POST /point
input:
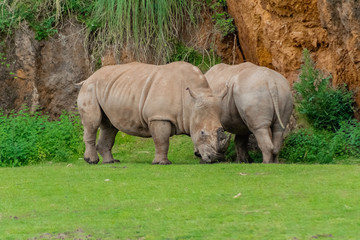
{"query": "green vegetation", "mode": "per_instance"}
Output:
(315, 146)
(145, 26)
(223, 21)
(42, 16)
(180, 201)
(28, 138)
(323, 105)
(330, 134)
(150, 25)
(5, 64)
(148, 28)
(188, 54)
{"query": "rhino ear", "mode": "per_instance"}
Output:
(225, 91)
(193, 94)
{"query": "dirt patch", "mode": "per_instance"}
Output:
(78, 234)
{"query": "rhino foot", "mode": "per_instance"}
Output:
(162, 162)
(244, 160)
(112, 161)
(91, 162)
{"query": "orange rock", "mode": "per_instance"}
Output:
(274, 33)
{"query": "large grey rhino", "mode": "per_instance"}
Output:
(259, 102)
(155, 101)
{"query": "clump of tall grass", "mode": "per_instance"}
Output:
(28, 138)
(148, 27)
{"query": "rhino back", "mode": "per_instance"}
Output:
(133, 95)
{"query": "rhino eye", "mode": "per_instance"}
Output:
(203, 133)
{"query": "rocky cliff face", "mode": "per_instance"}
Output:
(43, 74)
(273, 33)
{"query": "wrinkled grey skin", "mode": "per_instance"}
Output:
(259, 102)
(146, 100)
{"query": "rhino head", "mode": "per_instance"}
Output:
(210, 140)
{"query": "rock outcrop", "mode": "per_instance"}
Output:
(43, 74)
(273, 33)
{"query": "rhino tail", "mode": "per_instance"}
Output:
(275, 99)
(80, 83)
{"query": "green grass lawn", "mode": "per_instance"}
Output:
(185, 200)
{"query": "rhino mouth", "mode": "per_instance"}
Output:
(210, 158)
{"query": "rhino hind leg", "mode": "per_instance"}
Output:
(90, 113)
(106, 141)
(90, 155)
(277, 141)
(161, 132)
(263, 138)
(90, 130)
(242, 155)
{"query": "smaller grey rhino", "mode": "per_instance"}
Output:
(156, 101)
(259, 102)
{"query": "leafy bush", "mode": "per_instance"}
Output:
(230, 154)
(223, 21)
(346, 141)
(304, 146)
(323, 105)
(29, 138)
(333, 132)
(42, 16)
(189, 54)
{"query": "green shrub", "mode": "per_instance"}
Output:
(224, 23)
(324, 106)
(42, 16)
(333, 132)
(190, 55)
(313, 146)
(304, 146)
(230, 154)
(346, 141)
(29, 138)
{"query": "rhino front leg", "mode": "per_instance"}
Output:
(161, 132)
(242, 155)
(106, 142)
